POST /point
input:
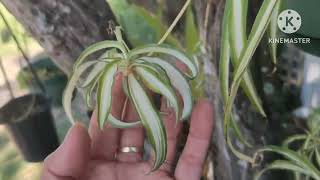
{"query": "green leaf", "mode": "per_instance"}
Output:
(116, 123)
(168, 51)
(150, 119)
(282, 165)
(259, 27)
(224, 64)
(294, 138)
(238, 41)
(156, 84)
(99, 46)
(178, 81)
(94, 74)
(273, 31)
(71, 86)
(295, 158)
(89, 91)
(140, 26)
(191, 33)
(317, 157)
(224, 68)
(104, 94)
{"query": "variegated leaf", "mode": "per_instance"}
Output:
(104, 94)
(259, 27)
(150, 119)
(99, 46)
(168, 51)
(67, 95)
(283, 165)
(178, 81)
(156, 84)
(238, 41)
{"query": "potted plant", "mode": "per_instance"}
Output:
(53, 79)
(29, 121)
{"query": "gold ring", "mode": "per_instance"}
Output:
(129, 149)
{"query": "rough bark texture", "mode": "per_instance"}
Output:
(63, 28)
(209, 16)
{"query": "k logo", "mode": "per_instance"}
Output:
(289, 21)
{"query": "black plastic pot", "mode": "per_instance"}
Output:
(30, 122)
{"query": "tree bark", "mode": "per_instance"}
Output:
(63, 28)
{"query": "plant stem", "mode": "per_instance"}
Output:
(174, 23)
(24, 55)
(6, 79)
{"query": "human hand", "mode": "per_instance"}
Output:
(94, 155)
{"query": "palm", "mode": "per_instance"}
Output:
(95, 155)
(121, 171)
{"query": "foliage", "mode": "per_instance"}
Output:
(239, 48)
(301, 152)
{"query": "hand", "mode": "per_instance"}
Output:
(91, 156)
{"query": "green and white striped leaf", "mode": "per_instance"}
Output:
(116, 123)
(150, 119)
(224, 68)
(178, 81)
(259, 27)
(168, 51)
(89, 90)
(71, 86)
(273, 31)
(156, 84)
(94, 73)
(295, 158)
(283, 165)
(294, 138)
(99, 46)
(238, 41)
(104, 94)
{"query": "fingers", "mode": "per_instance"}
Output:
(105, 142)
(70, 160)
(132, 137)
(189, 166)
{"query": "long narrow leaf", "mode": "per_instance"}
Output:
(71, 86)
(150, 119)
(283, 165)
(168, 51)
(178, 81)
(238, 41)
(273, 31)
(295, 157)
(116, 123)
(259, 27)
(99, 46)
(93, 74)
(104, 94)
(156, 84)
(224, 67)
(294, 138)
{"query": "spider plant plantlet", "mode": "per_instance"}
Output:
(143, 69)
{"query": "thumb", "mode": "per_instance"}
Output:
(71, 158)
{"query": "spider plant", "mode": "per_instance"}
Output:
(238, 49)
(303, 159)
(143, 69)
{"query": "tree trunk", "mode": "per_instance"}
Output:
(63, 28)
